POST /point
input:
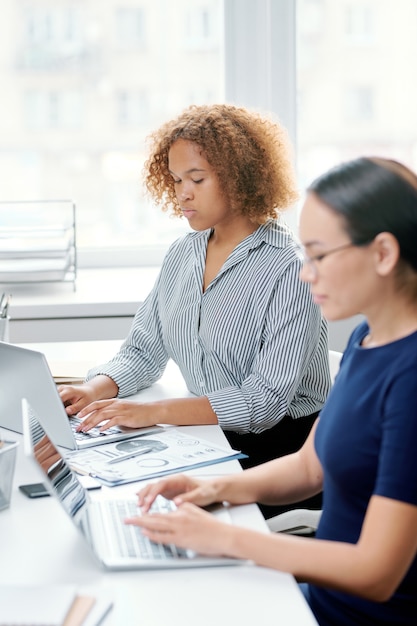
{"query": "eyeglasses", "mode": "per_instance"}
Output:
(312, 261)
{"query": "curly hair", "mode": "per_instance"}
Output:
(250, 154)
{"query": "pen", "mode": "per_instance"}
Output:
(129, 455)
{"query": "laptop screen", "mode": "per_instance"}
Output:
(59, 477)
(115, 545)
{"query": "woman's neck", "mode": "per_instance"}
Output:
(231, 234)
(391, 322)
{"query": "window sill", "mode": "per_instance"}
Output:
(102, 298)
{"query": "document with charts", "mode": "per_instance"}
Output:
(152, 456)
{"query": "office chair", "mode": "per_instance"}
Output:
(303, 521)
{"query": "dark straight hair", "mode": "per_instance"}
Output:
(373, 195)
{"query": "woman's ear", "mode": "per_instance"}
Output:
(387, 253)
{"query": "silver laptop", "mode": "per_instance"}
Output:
(115, 545)
(25, 374)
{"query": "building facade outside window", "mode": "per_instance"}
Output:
(83, 84)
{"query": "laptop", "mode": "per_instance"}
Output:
(116, 546)
(25, 373)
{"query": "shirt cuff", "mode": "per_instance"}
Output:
(126, 382)
(231, 409)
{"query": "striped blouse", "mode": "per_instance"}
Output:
(253, 343)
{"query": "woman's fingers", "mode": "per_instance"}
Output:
(169, 488)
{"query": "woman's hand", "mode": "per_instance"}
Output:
(116, 412)
(77, 397)
(188, 527)
(120, 412)
(180, 488)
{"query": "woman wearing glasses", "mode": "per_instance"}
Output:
(359, 230)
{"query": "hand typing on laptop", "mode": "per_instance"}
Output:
(95, 404)
(96, 407)
(109, 413)
(180, 488)
(77, 397)
(188, 526)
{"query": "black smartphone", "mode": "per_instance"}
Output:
(34, 490)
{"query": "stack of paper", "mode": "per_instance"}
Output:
(37, 241)
(165, 452)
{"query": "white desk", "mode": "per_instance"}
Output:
(40, 545)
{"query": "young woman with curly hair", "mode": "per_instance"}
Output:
(249, 154)
(227, 307)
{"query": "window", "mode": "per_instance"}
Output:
(312, 23)
(359, 23)
(357, 95)
(85, 84)
(201, 28)
(131, 28)
(132, 109)
(359, 104)
(51, 110)
(51, 37)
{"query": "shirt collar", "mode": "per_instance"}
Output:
(274, 233)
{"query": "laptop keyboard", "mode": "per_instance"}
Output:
(132, 543)
(93, 432)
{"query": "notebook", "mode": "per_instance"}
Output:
(52, 605)
(25, 373)
(116, 546)
(25, 605)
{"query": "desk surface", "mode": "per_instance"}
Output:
(40, 546)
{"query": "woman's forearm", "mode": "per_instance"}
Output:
(282, 481)
(371, 568)
(325, 563)
(288, 479)
(103, 386)
(183, 411)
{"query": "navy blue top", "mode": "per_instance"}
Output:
(366, 441)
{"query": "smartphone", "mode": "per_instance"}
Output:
(38, 490)
(34, 490)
